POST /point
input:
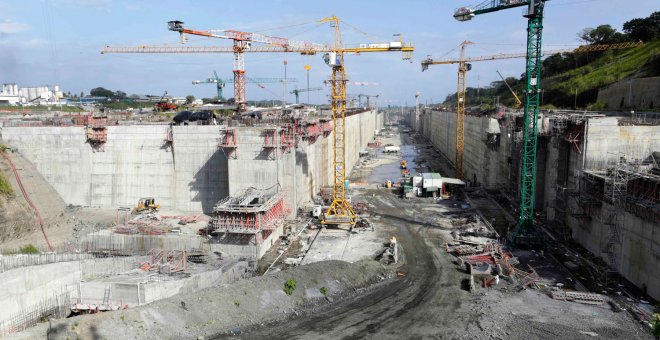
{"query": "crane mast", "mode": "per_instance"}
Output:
(534, 15)
(340, 209)
(463, 67)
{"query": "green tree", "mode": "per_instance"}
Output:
(190, 99)
(644, 29)
(101, 92)
(603, 34)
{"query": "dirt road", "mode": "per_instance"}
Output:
(431, 301)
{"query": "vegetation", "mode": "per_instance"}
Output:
(324, 290)
(655, 325)
(29, 249)
(564, 74)
(5, 186)
(289, 286)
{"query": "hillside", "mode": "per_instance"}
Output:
(608, 68)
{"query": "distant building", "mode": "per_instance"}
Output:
(41, 95)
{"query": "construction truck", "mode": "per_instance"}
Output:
(146, 204)
(404, 164)
(164, 104)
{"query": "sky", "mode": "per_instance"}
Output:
(58, 42)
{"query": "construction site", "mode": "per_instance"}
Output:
(345, 219)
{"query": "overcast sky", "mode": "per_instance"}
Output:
(58, 42)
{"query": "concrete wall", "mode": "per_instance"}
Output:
(641, 93)
(192, 176)
(134, 164)
(25, 287)
(299, 171)
(560, 164)
(607, 140)
(637, 255)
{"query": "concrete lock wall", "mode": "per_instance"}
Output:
(605, 142)
(25, 287)
(135, 163)
(488, 165)
(192, 176)
(312, 163)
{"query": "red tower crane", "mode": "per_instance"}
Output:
(242, 42)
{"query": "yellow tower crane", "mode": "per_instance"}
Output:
(464, 66)
(340, 211)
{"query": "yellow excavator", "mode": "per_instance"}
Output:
(518, 101)
(404, 164)
(146, 204)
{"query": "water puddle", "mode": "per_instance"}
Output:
(392, 171)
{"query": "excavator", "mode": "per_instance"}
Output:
(164, 105)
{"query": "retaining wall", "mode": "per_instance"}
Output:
(559, 165)
(135, 163)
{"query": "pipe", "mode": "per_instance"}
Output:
(27, 198)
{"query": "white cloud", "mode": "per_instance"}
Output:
(8, 27)
(35, 42)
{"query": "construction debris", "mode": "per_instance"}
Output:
(586, 298)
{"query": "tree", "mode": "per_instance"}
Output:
(643, 29)
(190, 99)
(603, 34)
(119, 95)
(101, 92)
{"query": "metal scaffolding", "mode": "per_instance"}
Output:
(250, 212)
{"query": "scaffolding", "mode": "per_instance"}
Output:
(250, 213)
(227, 142)
(96, 132)
(165, 261)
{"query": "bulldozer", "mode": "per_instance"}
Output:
(146, 204)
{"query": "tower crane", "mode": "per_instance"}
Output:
(464, 65)
(297, 92)
(368, 96)
(340, 211)
(220, 82)
(242, 42)
(524, 229)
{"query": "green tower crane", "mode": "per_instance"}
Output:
(220, 83)
(524, 229)
(297, 92)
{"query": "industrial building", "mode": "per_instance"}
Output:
(11, 94)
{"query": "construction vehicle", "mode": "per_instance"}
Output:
(147, 204)
(164, 105)
(518, 102)
(340, 211)
(404, 164)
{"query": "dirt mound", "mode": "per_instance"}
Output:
(228, 308)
